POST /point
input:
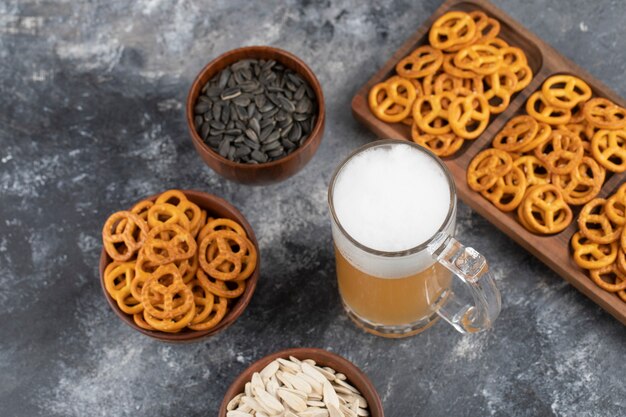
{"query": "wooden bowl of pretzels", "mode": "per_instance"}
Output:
(179, 266)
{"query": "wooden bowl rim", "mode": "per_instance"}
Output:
(231, 316)
(323, 357)
(315, 134)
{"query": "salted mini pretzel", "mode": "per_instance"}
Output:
(487, 28)
(481, 59)
(516, 134)
(430, 115)
(469, 116)
(191, 210)
(534, 170)
(538, 107)
(203, 299)
(178, 307)
(421, 62)
(604, 114)
(450, 68)
(441, 145)
(139, 321)
(220, 307)
(451, 30)
(445, 82)
(221, 224)
(591, 255)
(486, 167)
(524, 76)
(231, 248)
(169, 243)
(582, 184)
(609, 278)
(565, 91)
(508, 191)
(499, 88)
(117, 276)
(513, 58)
(615, 209)
(580, 130)
(545, 210)
(220, 288)
(561, 152)
(141, 209)
(165, 213)
(248, 261)
(399, 96)
(595, 225)
(497, 43)
(608, 147)
(577, 114)
(121, 245)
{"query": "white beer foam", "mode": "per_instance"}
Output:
(390, 198)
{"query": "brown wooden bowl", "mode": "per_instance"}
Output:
(269, 172)
(323, 358)
(216, 207)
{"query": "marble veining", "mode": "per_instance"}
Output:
(92, 119)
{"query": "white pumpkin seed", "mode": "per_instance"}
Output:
(341, 376)
(363, 412)
(295, 360)
(342, 390)
(237, 413)
(292, 400)
(298, 383)
(293, 391)
(290, 366)
(272, 385)
(268, 401)
(327, 374)
(314, 412)
(312, 403)
(315, 396)
(281, 377)
(330, 396)
(352, 397)
(254, 404)
(257, 382)
(346, 411)
(316, 386)
(314, 373)
(232, 404)
(346, 385)
(269, 370)
(334, 411)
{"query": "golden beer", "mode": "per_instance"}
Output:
(391, 301)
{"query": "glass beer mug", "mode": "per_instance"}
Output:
(399, 268)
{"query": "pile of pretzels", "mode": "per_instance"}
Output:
(553, 157)
(600, 243)
(174, 267)
(447, 91)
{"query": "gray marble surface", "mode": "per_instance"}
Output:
(91, 119)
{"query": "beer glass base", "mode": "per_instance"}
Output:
(391, 331)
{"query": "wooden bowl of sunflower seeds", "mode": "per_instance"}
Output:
(256, 115)
(302, 382)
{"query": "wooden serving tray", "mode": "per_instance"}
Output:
(545, 61)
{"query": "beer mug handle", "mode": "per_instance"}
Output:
(469, 314)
